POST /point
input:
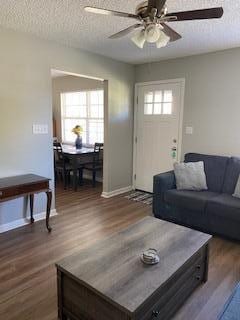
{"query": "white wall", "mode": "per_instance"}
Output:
(69, 84)
(212, 98)
(26, 98)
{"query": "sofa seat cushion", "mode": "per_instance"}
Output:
(192, 200)
(226, 206)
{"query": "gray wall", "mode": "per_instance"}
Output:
(212, 98)
(26, 98)
(69, 84)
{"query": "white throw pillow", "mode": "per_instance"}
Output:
(237, 189)
(190, 176)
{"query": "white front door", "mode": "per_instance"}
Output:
(158, 123)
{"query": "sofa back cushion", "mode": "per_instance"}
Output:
(215, 169)
(232, 174)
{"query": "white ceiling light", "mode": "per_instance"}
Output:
(163, 40)
(139, 38)
(152, 33)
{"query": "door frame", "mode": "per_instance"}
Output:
(138, 85)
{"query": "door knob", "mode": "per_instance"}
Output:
(174, 140)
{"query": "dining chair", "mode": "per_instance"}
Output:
(63, 166)
(97, 163)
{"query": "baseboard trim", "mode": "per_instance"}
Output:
(24, 221)
(116, 192)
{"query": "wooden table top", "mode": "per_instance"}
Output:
(20, 180)
(113, 269)
(73, 151)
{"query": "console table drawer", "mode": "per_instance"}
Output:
(23, 189)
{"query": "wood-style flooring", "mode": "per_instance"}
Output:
(27, 256)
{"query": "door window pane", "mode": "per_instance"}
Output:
(148, 108)
(149, 97)
(168, 96)
(157, 108)
(167, 108)
(158, 96)
(158, 102)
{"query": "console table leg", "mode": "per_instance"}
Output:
(31, 206)
(49, 203)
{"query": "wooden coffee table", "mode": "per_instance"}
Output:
(108, 281)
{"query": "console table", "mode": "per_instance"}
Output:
(26, 185)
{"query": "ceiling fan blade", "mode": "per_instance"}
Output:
(174, 36)
(157, 4)
(111, 12)
(125, 31)
(160, 4)
(212, 13)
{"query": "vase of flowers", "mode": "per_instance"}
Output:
(78, 131)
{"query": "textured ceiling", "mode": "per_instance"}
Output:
(66, 22)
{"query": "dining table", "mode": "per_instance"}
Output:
(74, 155)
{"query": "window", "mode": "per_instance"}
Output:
(158, 102)
(86, 109)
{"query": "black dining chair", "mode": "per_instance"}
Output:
(97, 162)
(63, 166)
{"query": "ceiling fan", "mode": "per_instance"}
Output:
(151, 16)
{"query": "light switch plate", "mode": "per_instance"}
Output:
(189, 130)
(40, 129)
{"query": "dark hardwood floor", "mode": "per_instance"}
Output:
(27, 256)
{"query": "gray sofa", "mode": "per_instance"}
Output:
(214, 211)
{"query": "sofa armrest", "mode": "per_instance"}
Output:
(161, 183)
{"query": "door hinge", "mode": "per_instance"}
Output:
(135, 139)
(135, 177)
(137, 100)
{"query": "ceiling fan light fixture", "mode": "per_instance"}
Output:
(152, 16)
(152, 33)
(139, 39)
(163, 40)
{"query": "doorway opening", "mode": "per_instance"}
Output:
(79, 108)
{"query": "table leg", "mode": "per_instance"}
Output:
(75, 173)
(49, 203)
(31, 197)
